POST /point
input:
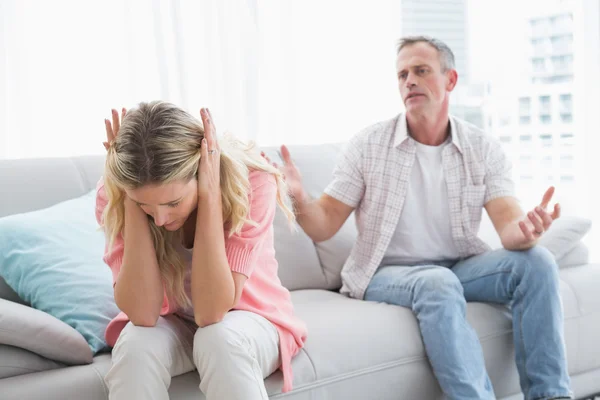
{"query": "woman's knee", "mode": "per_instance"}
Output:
(217, 341)
(135, 342)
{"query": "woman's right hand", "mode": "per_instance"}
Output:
(112, 129)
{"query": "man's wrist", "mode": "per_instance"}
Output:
(512, 238)
(298, 202)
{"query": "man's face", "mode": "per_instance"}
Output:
(424, 86)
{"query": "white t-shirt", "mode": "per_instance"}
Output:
(423, 233)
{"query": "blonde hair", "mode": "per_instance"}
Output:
(159, 143)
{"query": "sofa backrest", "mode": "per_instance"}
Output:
(33, 184)
(302, 263)
(28, 185)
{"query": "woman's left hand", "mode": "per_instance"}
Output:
(209, 167)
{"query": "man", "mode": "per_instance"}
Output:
(418, 183)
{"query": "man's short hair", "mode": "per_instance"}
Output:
(444, 52)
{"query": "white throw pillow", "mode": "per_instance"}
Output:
(564, 234)
(562, 237)
(579, 255)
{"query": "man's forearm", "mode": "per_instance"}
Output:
(511, 231)
(313, 217)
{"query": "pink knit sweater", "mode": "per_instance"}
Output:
(252, 253)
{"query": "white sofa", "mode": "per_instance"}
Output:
(355, 349)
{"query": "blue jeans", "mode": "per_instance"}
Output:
(438, 295)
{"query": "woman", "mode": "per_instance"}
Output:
(189, 228)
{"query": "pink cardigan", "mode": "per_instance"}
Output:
(250, 253)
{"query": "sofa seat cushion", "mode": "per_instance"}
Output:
(348, 338)
(69, 383)
(358, 348)
(366, 344)
(16, 361)
(580, 286)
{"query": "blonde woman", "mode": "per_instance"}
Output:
(189, 226)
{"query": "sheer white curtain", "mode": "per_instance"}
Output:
(65, 63)
(277, 71)
(327, 68)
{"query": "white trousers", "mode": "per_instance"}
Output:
(233, 357)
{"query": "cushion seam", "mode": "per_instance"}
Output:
(369, 370)
(31, 370)
(352, 374)
(312, 364)
(104, 387)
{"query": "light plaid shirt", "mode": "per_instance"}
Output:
(372, 175)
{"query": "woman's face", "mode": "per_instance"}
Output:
(170, 204)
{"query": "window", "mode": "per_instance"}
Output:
(525, 159)
(567, 161)
(525, 139)
(566, 103)
(536, 23)
(505, 139)
(538, 46)
(544, 105)
(547, 162)
(524, 120)
(562, 64)
(567, 178)
(567, 139)
(553, 79)
(524, 105)
(539, 65)
(562, 23)
(566, 118)
(545, 119)
(566, 108)
(539, 27)
(546, 140)
(562, 44)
